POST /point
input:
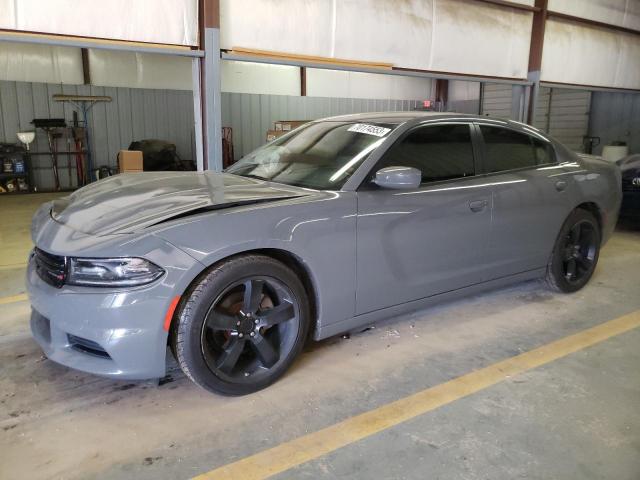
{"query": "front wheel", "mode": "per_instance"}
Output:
(575, 254)
(242, 325)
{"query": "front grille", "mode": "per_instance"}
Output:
(87, 346)
(50, 268)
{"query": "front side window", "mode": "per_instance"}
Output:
(321, 155)
(506, 149)
(440, 152)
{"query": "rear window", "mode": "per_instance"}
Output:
(506, 149)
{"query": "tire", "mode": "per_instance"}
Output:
(575, 254)
(226, 349)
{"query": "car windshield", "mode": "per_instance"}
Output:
(319, 155)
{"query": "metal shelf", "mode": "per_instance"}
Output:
(18, 192)
(13, 175)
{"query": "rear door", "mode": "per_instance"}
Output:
(529, 199)
(416, 243)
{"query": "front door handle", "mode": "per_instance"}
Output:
(478, 205)
(561, 185)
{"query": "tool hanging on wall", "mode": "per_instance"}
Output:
(79, 134)
(83, 104)
(50, 127)
(227, 147)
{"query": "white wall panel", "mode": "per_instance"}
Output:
(479, 38)
(624, 13)
(302, 27)
(400, 33)
(344, 84)
(247, 77)
(458, 36)
(588, 55)
(40, 63)
(139, 70)
(158, 21)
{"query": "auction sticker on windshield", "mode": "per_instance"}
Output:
(369, 129)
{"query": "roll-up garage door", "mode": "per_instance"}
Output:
(497, 99)
(564, 113)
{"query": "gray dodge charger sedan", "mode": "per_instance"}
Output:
(340, 223)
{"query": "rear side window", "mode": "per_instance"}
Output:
(543, 151)
(506, 150)
(509, 150)
(441, 152)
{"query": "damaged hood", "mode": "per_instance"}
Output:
(127, 203)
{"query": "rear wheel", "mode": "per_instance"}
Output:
(242, 325)
(575, 254)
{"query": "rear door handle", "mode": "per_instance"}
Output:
(561, 185)
(478, 205)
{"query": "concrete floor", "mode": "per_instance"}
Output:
(575, 418)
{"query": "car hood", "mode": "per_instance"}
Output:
(129, 202)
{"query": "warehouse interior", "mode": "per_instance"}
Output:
(518, 382)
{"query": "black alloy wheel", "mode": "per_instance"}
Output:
(579, 251)
(241, 325)
(576, 252)
(249, 328)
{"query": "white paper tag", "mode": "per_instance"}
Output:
(369, 129)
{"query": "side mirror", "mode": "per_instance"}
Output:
(398, 178)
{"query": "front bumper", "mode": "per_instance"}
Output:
(113, 334)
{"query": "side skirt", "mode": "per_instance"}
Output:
(366, 319)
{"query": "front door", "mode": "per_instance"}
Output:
(412, 244)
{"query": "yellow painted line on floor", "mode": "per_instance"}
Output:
(13, 299)
(309, 447)
(12, 266)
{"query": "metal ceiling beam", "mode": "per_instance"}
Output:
(590, 22)
(97, 43)
(591, 88)
(404, 72)
(517, 6)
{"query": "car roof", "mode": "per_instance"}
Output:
(396, 117)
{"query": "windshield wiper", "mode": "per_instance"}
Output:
(251, 175)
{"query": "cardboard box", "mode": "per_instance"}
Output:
(288, 125)
(273, 134)
(130, 161)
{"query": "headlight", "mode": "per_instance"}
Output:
(112, 272)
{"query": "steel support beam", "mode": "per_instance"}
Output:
(86, 70)
(519, 102)
(535, 56)
(209, 71)
(442, 92)
(303, 81)
(197, 113)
